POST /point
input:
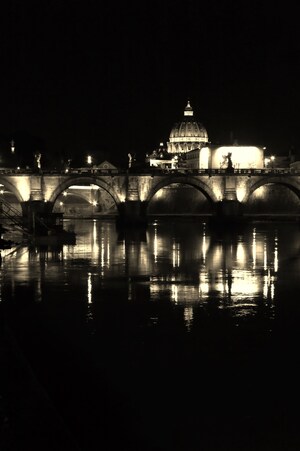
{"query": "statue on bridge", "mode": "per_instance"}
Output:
(229, 168)
(37, 161)
(129, 160)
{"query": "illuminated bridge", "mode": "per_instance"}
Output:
(133, 194)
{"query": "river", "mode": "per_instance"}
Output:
(178, 337)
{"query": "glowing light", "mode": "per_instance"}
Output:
(176, 255)
(241, 192)
(65, 193)
(23, 186)
(269, 161)
(94, 233)
(188, 315)
(276, 255)
(155, 245)
(89, 288)
(159, 194)
(272, 289)
(89, 159)
(269, 285)
(174, 162)
(144, 187)
(254, 249)
(204, 158)
(265, 287)
(102, 261)
(265, 256)
(204, 247)
(244, 157)
(241, 254)
(174, 293)
(244, 284)
(108, 254)
(260, 193)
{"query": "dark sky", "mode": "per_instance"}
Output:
(90, 76)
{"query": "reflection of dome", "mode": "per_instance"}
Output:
(187, 134)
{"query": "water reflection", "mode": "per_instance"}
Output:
(183, 262)
(239, 271)
(153, 308)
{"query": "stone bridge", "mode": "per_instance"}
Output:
(132, 191)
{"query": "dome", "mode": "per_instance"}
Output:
(187, 134)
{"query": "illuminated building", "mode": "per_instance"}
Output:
(215, 157)
(189, 147)
(187, 134)
(160, 158)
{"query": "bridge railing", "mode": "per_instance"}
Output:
(152, 171)
(209, 172)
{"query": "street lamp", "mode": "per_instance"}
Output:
(89, 159)
(272, 160)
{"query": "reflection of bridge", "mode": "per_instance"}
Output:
(133, 191)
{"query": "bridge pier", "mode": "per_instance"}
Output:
(132, 213)
(229, 211)
(228, 214)
(37, 215)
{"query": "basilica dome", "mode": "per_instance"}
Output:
(187, 134)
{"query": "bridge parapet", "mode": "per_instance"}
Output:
(149, 171)
(138, 188)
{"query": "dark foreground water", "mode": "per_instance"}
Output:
(179, 338)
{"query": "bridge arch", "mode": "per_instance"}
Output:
(11, 187)
(291, 184)
(192, 181)
(64, 185)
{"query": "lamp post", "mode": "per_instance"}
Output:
(272, 160)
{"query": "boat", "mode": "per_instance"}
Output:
(6, 244)
(53, 237)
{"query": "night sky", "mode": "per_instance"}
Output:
(108, 78)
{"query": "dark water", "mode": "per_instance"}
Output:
(179, 338)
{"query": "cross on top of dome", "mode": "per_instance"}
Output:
(188, 111)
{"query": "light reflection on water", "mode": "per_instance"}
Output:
(162, 331)
(181, 262)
